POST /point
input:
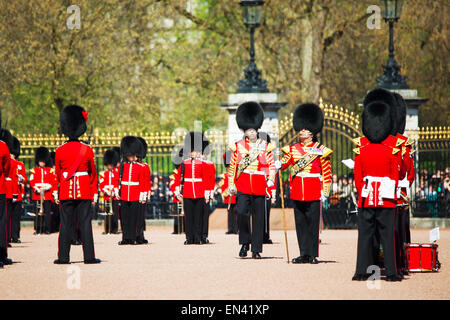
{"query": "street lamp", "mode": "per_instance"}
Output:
(252, 15)
(391, 78)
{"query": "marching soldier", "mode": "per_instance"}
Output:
(193, 192)
(132, 188)
(229, 199)
(147, 191)
(19, 179)
(109, 186)
(403, 191)
(5, 163)
(248, 177)
(310, 179)
(42, 180)
(117, 170)
(78, 186)
(54, 208)
(174, 185)
(377, 163)
(209, 183)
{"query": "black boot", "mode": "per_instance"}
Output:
(360, 277)
(256, 255)
(393, 278)
(313, 260)
(93, 261)
(243, 252)
(57, 261)
(7, 262)
(301, 259)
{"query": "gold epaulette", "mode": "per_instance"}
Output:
(409, 142)
(175, 171)
(32, 170)
(395, 150)
(232, 147)
(326, 152)
(52, 170)
(399, 142)
(286, 149)
(270, 147)
(357, 141)
(356, 150)
(403, 150)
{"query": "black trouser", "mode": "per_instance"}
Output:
(56, 221)
(400, 237)
(205, 220)
(16, 214)
(267, 220)
(407, 228)
(8, 218)
(76, 210)
(193, 209)
(3, 229)
(253, 205)
(307, 220)
(232, 219)
(178, 221)
(45, 220)
(130, 214)
(141, 221)
(113, 228)
(370, 220)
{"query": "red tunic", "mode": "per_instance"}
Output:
(83, 183)
(253, 180)
(21, 179)
(109, 181)
(5, 166)
(377, 169)
(407, 166)
(308, 184)
(10, 181)
(147, 183)
(224, 184)
(174, 184)
(42, 178)
(210, 180)
(196, 175)
(133, 185)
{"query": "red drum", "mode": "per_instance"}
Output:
(422, 257)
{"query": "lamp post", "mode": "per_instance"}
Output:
(391, 77)
(252, 15)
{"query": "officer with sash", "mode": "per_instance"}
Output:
(251, 172)
(310, 179)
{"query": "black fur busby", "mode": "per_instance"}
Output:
(249, 115)
(42, 154)
(193, 142)
(130, 146)
(400, 121)
(7, 138)
(117, 150)
(15, 150)
(377, 117)
(227, 157)
(111, 157)
(72, 121)
(308, 116)
(144, 148)
(264, 136)
(52, 159)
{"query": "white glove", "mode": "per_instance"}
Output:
(269, 183)
(278, 164)
(48, 186)
(55, 195)
(232, 189)
(21, 178)
(95, 198)
(323, 198)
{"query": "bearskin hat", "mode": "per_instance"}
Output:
(378, 116)
(15, 150)
(144, 148)
(227, 157)
(52, 159)
(117, 150)
(130, 146)
(194, 142)
(72, 121)
(7, 138)
(42, 154)
(308, 116)
(401, 113)
(110, 157)
(249, 115)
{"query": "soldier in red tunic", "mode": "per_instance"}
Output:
(19, 179)
(78, 185)
(109, 187)
(229, 199)
(5, 171)
(310, 179)
(251, 172)
(377, 169)
(174, 185)
(147, 191)
(193, 174)
(42, 178)
(133, 188)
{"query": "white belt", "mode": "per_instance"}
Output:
(309, 175)
(77, 174)
(386, 189)
(8, 179)
(249, 171)
(193, 180)
(42, 185)
(126, 183)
